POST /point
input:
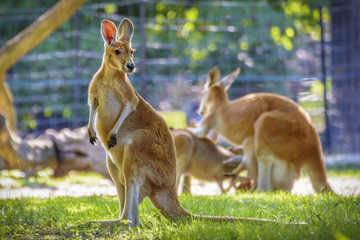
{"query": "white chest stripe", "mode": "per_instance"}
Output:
(125, 113)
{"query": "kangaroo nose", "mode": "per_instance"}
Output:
(130, 66)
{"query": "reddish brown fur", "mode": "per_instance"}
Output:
(140, 149)
(277, 135)
(203, 159)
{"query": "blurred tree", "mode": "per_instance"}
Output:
(16, 48)
(24, 42)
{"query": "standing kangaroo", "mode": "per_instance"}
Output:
(139, 147)
(203, 159)
(276, 134)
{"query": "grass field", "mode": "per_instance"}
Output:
(328, 216)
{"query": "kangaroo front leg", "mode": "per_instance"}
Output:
(93, 104)
(220, 184)
(181, 164)
(111, 138)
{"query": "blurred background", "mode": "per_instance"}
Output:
(305, 50)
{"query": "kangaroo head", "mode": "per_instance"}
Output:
(118, 52)
(214, 92)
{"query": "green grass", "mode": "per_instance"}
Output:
(348, 170)
(328, 217)
(43, 178)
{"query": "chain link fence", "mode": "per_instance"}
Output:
(276, 45)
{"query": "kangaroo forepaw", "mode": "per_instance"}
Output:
(112, 141)
(92, 140)
(92, 137)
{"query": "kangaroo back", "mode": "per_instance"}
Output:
(273, 131)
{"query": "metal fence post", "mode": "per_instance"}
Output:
(76, 88)
(143, 73)
(323, 80)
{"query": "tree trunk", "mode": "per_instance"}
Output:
(7, 102)
(28, 155)
(75, 152)
(30, 37)
(62, 151)
(21, 44)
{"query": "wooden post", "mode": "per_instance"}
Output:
(17, 47)
(7, 103)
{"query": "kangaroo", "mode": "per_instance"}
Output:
(140, 152)
(203, 159)
(276, 134)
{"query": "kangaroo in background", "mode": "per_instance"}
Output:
(140, 150)
(276, 134)
(203, 159)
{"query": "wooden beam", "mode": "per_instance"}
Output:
(30, 37)
(26, 40)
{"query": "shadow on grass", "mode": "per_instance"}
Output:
(28, 182)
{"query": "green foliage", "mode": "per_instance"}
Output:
(200, 36)
(306, 16)
(182, 39)
(174, 119)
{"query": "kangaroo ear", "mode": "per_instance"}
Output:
(108, 31)
(126, 30)
(229, 79)
(213, 77)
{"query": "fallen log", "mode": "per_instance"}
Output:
(61, 151)
(75, 152)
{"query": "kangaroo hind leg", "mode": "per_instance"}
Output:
(166, 200)
(134, 180)
(115, 175)
(264, 178)
(132, 201)
(283, 176)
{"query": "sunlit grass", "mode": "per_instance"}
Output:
(43, 178)
(327, 216)
(349, 170)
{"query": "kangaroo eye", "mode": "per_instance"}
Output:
(117, 52)
(131, 51)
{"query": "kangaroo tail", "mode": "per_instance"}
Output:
(315, 168)
(166, 200)
(242, 219)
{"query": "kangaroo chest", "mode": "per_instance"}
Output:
(113, 109)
